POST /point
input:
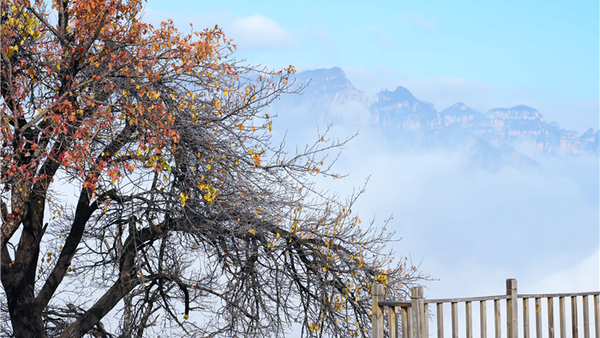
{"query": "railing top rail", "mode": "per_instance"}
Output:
(485, 298)
(552, 295)
(466, 299)
(478, 299)
(395, 303)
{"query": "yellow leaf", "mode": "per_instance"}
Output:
(12, 50)
(252, 231)
(183, 199)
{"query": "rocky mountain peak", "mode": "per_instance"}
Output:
(589, 133)
(400, 94)
(520, 112)
(458, 113)
(459, 109)
(322, 90)
(459, 106)
(325, 79)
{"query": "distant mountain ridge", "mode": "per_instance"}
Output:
(323, 88)
(411, 123)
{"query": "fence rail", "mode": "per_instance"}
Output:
(414, 314)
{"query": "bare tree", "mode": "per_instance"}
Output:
(188, 219)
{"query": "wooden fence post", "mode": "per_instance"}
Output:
(405, 316)
(393, 321)
(418, 312)
(512, 308)
(377, 292)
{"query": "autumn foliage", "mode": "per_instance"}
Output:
(186, 217)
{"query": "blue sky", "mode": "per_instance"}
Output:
(487, 54)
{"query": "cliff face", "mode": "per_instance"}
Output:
(322, 91)
(400, 110)
(415, 123)
(329, 86)
(458, 115)
(590, 140)
(522, 123)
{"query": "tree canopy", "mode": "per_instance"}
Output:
(185, 217)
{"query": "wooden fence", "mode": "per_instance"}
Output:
(414, 314)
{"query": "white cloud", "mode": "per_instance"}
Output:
(582, 277)
(251, 32)
(473, 229)
(257, 31)
(354, 113)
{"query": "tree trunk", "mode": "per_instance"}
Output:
(18, 279)
(25, 321)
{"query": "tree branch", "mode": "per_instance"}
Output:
(106, 303)
(82, 214)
